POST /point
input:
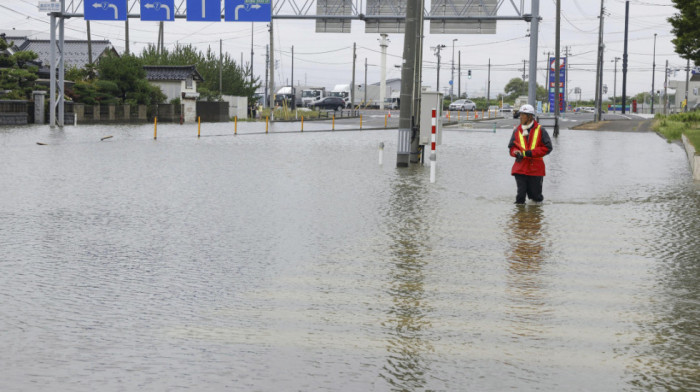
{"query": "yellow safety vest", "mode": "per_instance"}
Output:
(523, 145)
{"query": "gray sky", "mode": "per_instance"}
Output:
(326, 59)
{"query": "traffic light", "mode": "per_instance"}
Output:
(469, 74)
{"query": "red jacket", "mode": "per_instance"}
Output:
(537, 145)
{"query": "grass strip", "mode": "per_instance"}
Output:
(675, 125)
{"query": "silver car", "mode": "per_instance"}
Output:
(462, 105)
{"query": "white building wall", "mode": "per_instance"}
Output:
(237, 106)
(171, 89)
(174, 88)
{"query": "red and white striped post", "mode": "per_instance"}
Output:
(433, 142)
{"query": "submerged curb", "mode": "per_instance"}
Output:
(693, 158)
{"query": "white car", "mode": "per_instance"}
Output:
(462, 105)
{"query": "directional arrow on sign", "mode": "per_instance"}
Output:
(167, 9)
(106, 5)
(247, 8)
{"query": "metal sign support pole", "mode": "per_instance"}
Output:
(534, 30)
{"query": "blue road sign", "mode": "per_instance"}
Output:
(105, 9)
(248, 10)
(204, 10)
(158, 10)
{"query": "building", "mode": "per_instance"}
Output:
(679, 87)
(177, 82)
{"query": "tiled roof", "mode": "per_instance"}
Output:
(171, 72)
(76, 51)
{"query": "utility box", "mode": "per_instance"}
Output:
(430, 100)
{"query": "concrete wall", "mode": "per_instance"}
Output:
(237, 106)
(693, 159)
(13, 112)
(213, 111)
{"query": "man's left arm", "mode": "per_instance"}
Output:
(543, 148)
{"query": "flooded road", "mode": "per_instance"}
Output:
(294, 262)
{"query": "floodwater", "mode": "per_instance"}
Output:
(295, 262)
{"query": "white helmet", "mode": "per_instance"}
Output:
(527, 109)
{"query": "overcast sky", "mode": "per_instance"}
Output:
(326, 59)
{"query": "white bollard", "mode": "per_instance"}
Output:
(433, 167)
(381, 153)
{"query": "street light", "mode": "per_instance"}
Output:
(615, 82)
(452, 76)
(653, 71)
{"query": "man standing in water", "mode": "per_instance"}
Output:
(529, 143)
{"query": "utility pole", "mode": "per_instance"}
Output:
(488, 88)
(534, 32)
(524, 69)
(126, 35)
(416, 155)
(365, 85)
(615, 84)
(251, 51)
(665, 85)
(437, 53)
(687, 80)
(459, 74)
(352, 87)
(272, 69)
(567, 53)
(89, 39)
(382, 80)
(413, 27)
(294, 100)
(624, 58)
(599, 67)
(557, 68)
(653, 72)
(267, 68)
(221, 61)
(452, 75)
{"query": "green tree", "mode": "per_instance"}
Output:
(18, 72)
(121, 80)
(517, 87)
(235, 80)
(686, 28)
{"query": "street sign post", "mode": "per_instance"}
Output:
(158, 10)
(105, 9)
(248, 11)
(204, 10)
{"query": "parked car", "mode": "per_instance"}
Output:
(331, 103)
(493, 108)
(506, 108)
(462, 104)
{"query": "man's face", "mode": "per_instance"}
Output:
(525, 118)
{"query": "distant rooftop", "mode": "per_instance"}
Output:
(171, 72)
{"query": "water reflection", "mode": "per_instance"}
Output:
(525, 286)
(668, 353)
(407, 325)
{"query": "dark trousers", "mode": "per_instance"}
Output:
(530, 186)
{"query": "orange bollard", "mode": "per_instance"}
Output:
(199, 126)
(235, 125)
(302, 123)
(155, 128)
